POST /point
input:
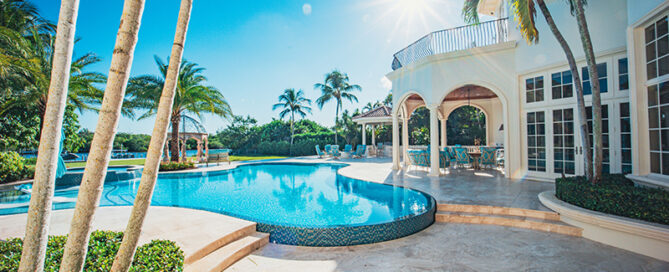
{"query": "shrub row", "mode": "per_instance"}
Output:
(158, 255)
(174, 166)
(615, 195)
(13, 167)
(303, 147)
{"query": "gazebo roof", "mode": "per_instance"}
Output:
(381, 114)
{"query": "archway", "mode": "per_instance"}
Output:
(466, 125)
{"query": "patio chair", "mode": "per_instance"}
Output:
(360, 151)
(444, 161)
(334, 151)
(379, 149)
(462, 156)
(488, 156)
(451, 154)
(327, 150)
(419, 158)
(320, 152)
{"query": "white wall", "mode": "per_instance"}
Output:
(607, 22)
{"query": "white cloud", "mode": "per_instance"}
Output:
(306, 9)
(386, 83)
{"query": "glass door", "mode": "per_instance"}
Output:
(565, 149)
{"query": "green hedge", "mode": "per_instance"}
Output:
(158, 255)
(175, 166)
(615, 195)
(13, 168)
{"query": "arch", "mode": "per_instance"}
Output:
(403, 99)
(485, 113)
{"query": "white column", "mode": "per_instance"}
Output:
(373, 135)
(405, 139)
(396, 143)
(434, 141)
(443, 133)
(364, 134)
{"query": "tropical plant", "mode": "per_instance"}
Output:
(74, 255)
(192, 96)
(165, 111)
(525, 13)
(371, 106)
(336, 87)
(39, 211)
(292, 102)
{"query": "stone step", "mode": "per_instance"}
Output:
(227, 255)
(483, 209)
(220, 242)
(509, 221)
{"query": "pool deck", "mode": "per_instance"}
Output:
(440, 247)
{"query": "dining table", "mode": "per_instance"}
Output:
(475, 160)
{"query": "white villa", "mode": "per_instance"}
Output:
(526, 92)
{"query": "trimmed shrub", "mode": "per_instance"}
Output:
(158, 255)
(615, 195)
(175, 166)
(12, 167)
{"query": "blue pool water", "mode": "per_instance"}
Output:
(298, 195)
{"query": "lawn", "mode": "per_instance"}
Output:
(141, 161)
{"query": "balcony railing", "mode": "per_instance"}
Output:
(454, 39)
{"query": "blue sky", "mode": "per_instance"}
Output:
(253, 50)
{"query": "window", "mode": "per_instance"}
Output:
(562, 86)
(603, 85)
(625, 138)
(658, 126)
(563, 141)
(623, 76)
(536, 141)
(534, 89)
(606, 167)
(657, 49)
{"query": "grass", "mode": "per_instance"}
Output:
(141, 161)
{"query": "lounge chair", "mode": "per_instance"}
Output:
(319, 152)
(327, 150)
(379, 150)
(348, 150)
(360, 151)
(334, 151)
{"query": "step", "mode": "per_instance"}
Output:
(483, 209)
(227, 255)
(220, 242)
(509, 221)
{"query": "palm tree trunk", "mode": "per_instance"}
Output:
(336, 122)
(39, 211)
(292, 131)
(103, 139)
(596, 96)
(580, 102)
(125, 254)
(174, 148)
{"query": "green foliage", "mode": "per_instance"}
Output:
(281, 148)
(72, 142)
(12, 167)
(615, 195)
(19, 130)
(465, 124)
(129, 141)
(158, 255)
(174, 166)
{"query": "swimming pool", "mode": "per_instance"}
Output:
(299, 204)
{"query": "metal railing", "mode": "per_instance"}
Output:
(454, 39)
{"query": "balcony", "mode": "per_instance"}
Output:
(453, 39)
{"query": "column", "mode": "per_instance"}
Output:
(443, 134)
(405, 139)
(364, 134)
(199, 150)
(373, 135)
(396, 143)
(206, 147)
(434, 141)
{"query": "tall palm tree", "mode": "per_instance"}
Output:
(336, 87)
(128, 246)
(192, 96)
(292, 102)
(88, 198)
(39, 212)
(525, 13)
(371, 106)
(598, 144)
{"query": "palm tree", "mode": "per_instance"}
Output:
(577, 9)
(292, 102)
(336, 86)
(192, 96)
(525, 13)
(371, 106)
(34, 244)
(128, 246)
(74, 254)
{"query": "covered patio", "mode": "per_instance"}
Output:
(472, 95)
(379, 116)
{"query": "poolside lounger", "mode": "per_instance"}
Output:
(334, 151)
(379, 150)
(360, 151)
(319, 152)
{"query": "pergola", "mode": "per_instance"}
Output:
(190, 129)
(376, 117)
